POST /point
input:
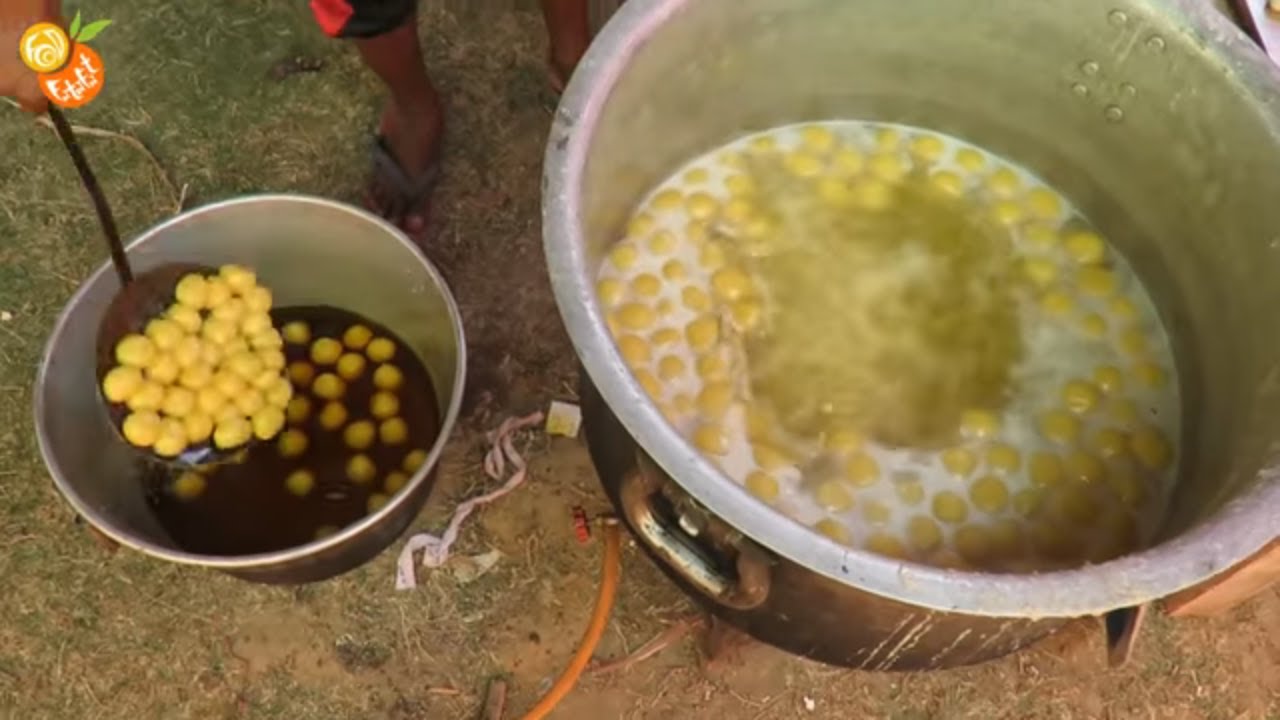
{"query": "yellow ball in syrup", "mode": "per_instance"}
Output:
(989, 494)
(186, 317)
(300, 482)
(210, 400)
(950, 507)
(325, 351)
(329, 387)
(333, 415)
(360, 469)
(141, 428)
(292, 443)
(232, 311)
(238, 277)
(711, 439)
(393, 431)
(395, 482)
(279, 392)
(357, 337)
(267, 422)
(148, 397)
(384, 405)
(414, 460)
(172, 439)
(376, 502)
(887, 545)
(218, 332)
(266, 340)
(178, 402)
(380, 350)
(350, 366)
(255, 324)
(359, 434)
(135, 351)
(833, 530)
(861, 469)
(762, 485)
(198, 428)
(298, 410)
(249, 402)
(923, 533)
(833, 496)
(232, 432)
(164, 369)
(193, 291)
(296, 333)
(121, 383)
(703, 333)
(164, 334)
(217, 292)
(189, 486)
(301, 373)
(258, 299)
(387, 377)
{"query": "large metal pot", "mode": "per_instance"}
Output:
(1156, 116)
(309, 251)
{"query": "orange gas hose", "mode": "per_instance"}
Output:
(595, 630)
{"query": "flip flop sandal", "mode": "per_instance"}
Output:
(401, 195)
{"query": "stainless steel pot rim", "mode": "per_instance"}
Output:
(241, 562)
(1240, 529)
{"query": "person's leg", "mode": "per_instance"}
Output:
(385, 32)
(568, 35)
(413, 121)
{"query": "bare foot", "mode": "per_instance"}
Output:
(413, 138)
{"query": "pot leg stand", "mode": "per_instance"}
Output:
(1122, 628)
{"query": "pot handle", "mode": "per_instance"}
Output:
(747, 587)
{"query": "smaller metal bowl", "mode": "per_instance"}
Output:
(309, 251)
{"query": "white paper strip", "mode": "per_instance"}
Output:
(435, 550)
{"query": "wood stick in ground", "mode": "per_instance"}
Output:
(660, 642)
(495, 701)
(449, 691)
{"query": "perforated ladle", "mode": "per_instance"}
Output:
(141, 297)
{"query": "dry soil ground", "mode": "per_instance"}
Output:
(84, 634)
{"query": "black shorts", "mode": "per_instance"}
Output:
(361, 18)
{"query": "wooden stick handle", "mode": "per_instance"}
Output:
(105, 218)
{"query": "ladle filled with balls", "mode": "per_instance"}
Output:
(187, 357)
(197, 374)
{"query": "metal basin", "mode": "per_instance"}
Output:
(1159, 120)
(309, 252)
